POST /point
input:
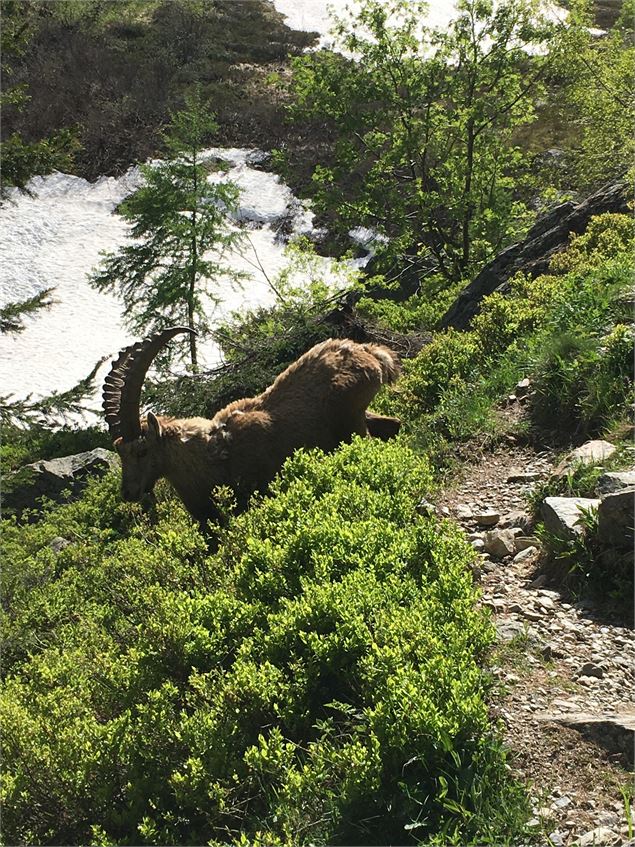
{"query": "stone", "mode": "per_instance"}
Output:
(52, 477)
(517, 475)
(539, 581)
(463, 512)
(615, 519)
(522, 387)
(614, 481)
(500, 542)
(590, 453)
(526, 555)
(478, 544)
(487, 517)
(533, 615)
(58, 544)
(598, 837)
(425, 508)
(523, 542)
(517, 519)
(562, 515)
(590, 669)
(552, 651)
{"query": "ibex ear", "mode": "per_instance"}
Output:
(154, 427)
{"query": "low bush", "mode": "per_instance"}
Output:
(315, 680)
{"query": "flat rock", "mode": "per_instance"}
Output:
(487, 517)
(562, 515)
(523, 542)
(601, 836)
(591, 453)
(615, 731)
(517, 475)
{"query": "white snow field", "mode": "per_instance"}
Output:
(54, 239)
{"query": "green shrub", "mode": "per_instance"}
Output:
(421, 311)
(450, 355)
(316, 679)
(607, 236)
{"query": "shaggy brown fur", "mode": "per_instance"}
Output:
(318, 401)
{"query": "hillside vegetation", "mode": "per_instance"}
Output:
(318, 668)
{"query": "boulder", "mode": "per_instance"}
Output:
(615, 519)
(561, 515)
(614, 481)
(50, 478)
(590, 453)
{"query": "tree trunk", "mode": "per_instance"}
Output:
(194, 262)
(467, 195)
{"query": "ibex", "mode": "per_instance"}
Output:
(318, 401)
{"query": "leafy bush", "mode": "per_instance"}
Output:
(606, 237)
(421, 311)
(314, 680)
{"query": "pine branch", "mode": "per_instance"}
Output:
(55, 409)
(13, 314)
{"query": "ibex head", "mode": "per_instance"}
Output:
(138, 444)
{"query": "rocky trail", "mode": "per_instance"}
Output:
(566, 696)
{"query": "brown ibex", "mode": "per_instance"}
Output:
(318, 401)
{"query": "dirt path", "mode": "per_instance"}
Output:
(567, 678)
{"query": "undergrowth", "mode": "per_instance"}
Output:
(317, 679)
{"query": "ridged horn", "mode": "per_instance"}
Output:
(122, 386)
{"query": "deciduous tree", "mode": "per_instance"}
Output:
(424, 121)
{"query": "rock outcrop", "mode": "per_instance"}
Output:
(50, 478)
(548, 236)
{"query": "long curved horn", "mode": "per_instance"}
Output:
(122, 386)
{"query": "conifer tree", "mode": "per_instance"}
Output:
(180, 231)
